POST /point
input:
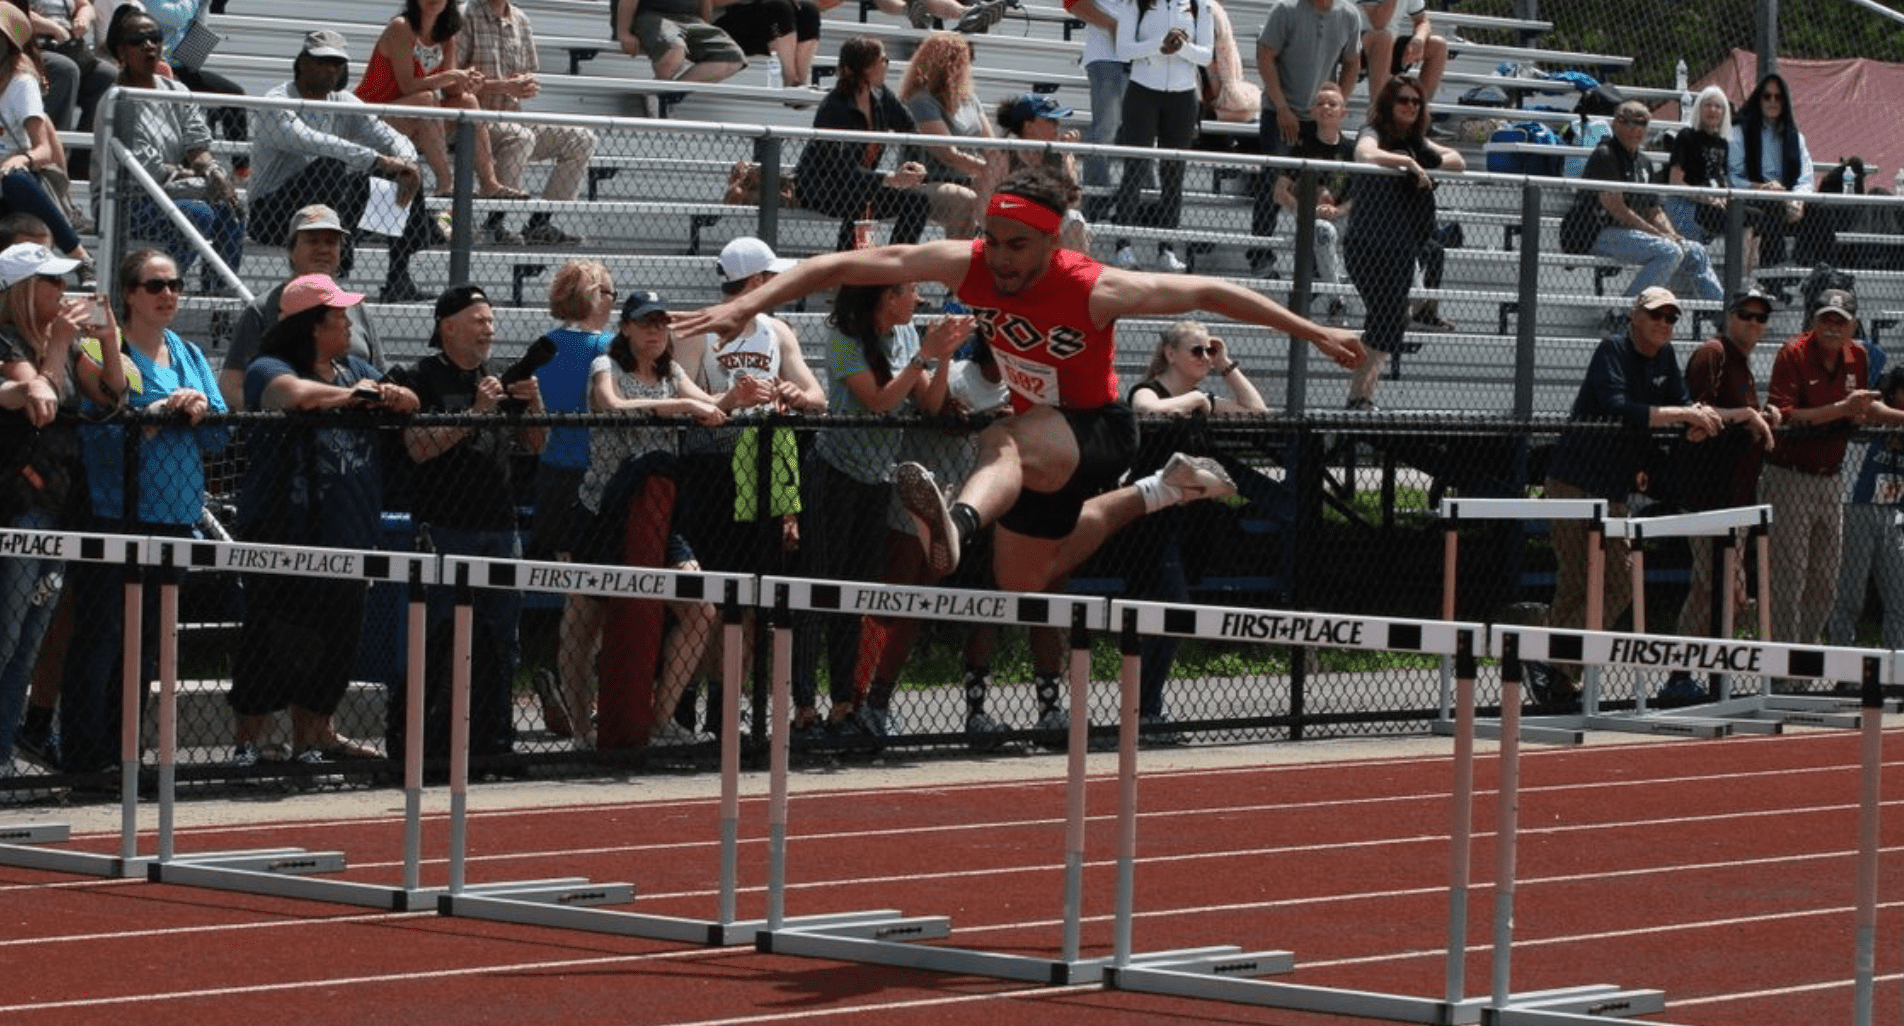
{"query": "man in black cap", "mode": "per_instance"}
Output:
(300, 157)
(461, 501)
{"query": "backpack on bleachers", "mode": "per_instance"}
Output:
(1589, 134)
(1511, 163)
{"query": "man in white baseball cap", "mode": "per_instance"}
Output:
(747, 256)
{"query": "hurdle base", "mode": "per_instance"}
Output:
(1588, 1004)
(891, 942)
(76, 863)
(1213, 982)
(35, 833)
(508, 906)
(1831, 711)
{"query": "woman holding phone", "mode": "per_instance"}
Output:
(40, 328)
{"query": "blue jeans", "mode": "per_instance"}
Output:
(223, 227)
(1108, 80)
(29, 592)
(494, 651)
(1658, 258)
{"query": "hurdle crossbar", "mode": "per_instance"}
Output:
(1232, 977)
(893, 940)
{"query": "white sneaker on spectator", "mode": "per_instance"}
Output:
(669, 734)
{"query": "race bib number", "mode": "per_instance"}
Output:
(1034, 381)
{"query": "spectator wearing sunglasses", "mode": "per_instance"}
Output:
(1634, 227)
(1163, 557)
(1632, 381)
(170, 383)
(172, 142)
(1722, 473)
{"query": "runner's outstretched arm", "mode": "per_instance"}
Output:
(1121, 293)
(886, 265)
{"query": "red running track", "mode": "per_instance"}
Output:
(1721, 872)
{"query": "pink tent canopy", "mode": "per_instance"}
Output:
(1844, 107)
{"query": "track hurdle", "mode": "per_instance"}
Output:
(1514, 645)
(1453, 513)
(891, 940)
(583, 906)
(21, 843)
(1764, 710)
(287, 874)
(1228, 977)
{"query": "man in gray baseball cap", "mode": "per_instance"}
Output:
(315, 246)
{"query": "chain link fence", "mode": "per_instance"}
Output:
(1336, 510)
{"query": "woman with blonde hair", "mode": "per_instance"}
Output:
(939, 94)
(582, 297)
(1699, 155)
(39, 329)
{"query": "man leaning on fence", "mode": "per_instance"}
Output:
(315, 246)
(1632, 380)
(462, 499)
(304, 156)
(499, 42)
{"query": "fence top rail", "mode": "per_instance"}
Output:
(1287, 627)
(1695, 655)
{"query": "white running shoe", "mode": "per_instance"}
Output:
(923, 501)
(1198, 477)
(669, 734)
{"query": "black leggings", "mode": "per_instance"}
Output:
(1154, 118)
(757, 23)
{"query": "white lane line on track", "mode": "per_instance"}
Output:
(429, 974)
(1107, 779)
(854, 835)
(176, 931)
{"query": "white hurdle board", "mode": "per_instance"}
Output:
(891, 940)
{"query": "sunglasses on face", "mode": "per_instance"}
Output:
(1201, 352)
(1758, 317)
(1637, 122)
(154, 286)
(1778, 97)
(1407, 101)
(142, 38)
(1669, 316)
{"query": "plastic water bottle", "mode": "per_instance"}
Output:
(1686, 113)
(1899, 180)
(773, 71)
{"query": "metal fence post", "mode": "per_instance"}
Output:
(461, 209)
(1527, 322)
(767, 155)
(1297, 388)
